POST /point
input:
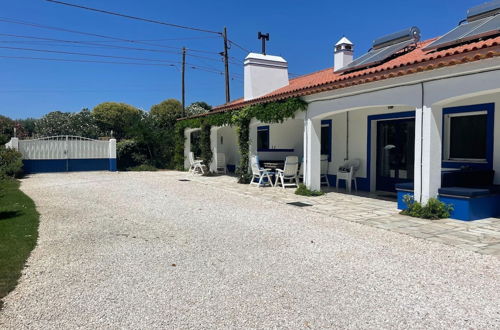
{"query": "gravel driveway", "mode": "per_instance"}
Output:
(144, 250)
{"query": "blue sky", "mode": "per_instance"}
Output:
(303, 32)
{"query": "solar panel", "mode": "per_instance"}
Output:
(483, 10)
(376, 56)
(469, 31)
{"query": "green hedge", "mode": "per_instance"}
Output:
(11, 163)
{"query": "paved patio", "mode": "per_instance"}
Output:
(482, 236)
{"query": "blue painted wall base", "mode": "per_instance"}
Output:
(466, 209)
(68, 165)
(476, 208)
(401, 194)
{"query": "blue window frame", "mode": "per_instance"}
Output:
(326, 138)
(467, 136)
(263, 138)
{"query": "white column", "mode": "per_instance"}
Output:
(428, 151)
(13, 143)
(213, 146)
(112, 155)
(312, 153)
(187, 148)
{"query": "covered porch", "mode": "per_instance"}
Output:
(432, 140)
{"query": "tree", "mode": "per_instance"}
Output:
(54, 123)
(197, 108)
(66, 123)
(118, 117)
(84, 124)
(28, 127)
(6, 129)
(167, 112)
(156, 143)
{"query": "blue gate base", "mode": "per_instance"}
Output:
(69, 165)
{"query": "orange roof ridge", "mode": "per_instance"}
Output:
(408, 63)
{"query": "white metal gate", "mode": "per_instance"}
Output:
(66, 153)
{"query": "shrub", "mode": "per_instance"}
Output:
(11, 163)
(128, 154)
(434, 209)
(143, 168)
(302, 190)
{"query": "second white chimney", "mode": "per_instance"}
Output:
(344, 53)
(264, 74)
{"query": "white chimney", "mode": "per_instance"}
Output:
(264, 74)
(344, 50)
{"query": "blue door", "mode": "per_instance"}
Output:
(395, 152)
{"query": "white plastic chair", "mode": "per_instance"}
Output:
(195, 165)
(288, 173)
(324, 171)
(347, 172)
(221, 163)
(260, 173)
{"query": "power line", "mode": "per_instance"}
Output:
(223, 34)
(100, 55)
(191, 66)
(82, 61)
(85, 54)
(237, 45)
(115, 39)
(96, 44)
(134, 17)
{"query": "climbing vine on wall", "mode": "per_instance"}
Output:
(275, 112)
(206, 149)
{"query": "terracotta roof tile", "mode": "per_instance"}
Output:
(414, 61)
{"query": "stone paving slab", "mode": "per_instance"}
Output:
(481, 236)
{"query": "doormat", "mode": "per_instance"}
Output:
(299, 204)
(184, 180)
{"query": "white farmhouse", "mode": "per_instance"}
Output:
(417, 115)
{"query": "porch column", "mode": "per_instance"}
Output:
(312, 151)
(187, 148)
(213, 147)
(428, 146)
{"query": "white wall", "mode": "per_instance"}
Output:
(494, 97)
(287, 135)
(187, 145)
(229, 145)
(263, 74)
(358, 130)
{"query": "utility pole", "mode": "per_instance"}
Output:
(226, 65)
(183, 81)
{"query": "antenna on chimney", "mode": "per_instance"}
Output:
(264, 37)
